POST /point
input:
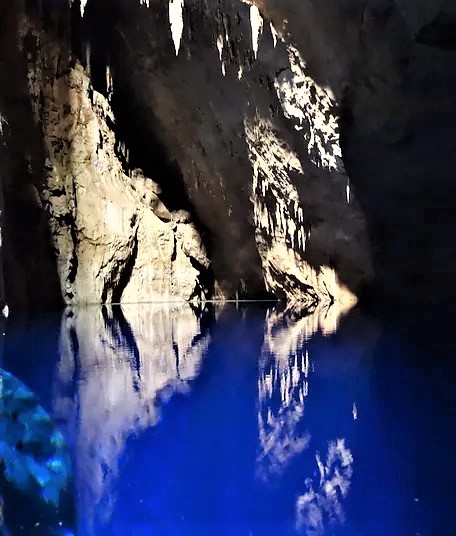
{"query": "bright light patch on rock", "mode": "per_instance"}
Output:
(220, 51)
(306, 103)
(280, 229)
(274, 34)
(2, 120)
(83, 6)
(256, 26)
(176, 22)
(220, 46)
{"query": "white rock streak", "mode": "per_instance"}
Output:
(2, 121)
(220, 45)
(83, 6)
(176, 22)
(256, 25)
(273, 33)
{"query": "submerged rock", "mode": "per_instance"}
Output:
(35, 464)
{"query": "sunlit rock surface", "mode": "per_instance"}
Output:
(115, 240)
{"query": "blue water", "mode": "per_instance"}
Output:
(242, 421)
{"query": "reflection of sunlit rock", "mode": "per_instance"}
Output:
(322, 503)
(283, 382)
(282, 388)
(289, 330)
(284, 373)
(125, 362)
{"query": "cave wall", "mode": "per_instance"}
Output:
(256, 139)
(114, 238)
(28, 262)
(231, 149)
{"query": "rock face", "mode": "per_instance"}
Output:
(260, 155)
(230, 149)
(113, 236)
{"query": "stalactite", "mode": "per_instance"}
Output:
(83, 6)
(176, 22)
(256, 25)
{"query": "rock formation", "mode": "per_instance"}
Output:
(36, 464)
(229, 148)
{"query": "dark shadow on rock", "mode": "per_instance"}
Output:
(398, 146)
(439, 33)
(31, 278)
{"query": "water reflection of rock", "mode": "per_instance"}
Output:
(282, 388)
(322, 504)
(290, 359)
(283, 382)
(125, 363)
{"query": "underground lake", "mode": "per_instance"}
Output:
(231, 420)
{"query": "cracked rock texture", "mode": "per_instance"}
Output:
(302, 150)
(113, 237)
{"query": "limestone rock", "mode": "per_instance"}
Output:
(241, 149)
(114, 238)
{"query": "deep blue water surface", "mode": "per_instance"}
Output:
(240, 421)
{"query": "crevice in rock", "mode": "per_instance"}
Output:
(205, 278)
(126, 272)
